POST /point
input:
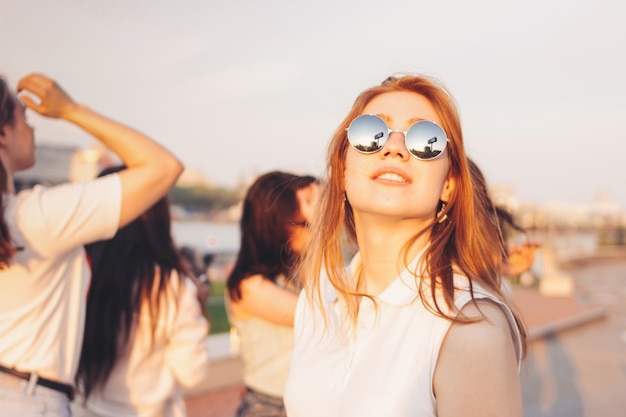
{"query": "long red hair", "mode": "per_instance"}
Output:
(469, 239)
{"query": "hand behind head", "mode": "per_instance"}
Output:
(41, 94)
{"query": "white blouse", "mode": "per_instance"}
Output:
(384, 365)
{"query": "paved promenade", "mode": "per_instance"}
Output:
(580, 371)
(576, 364)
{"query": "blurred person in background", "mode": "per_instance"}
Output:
(198, 271)
(145, 331)
(44, 275)
(264, 285)
(518, 257)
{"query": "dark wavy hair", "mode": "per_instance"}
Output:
(270, 208)
(124, 276)
(7, 118)
(502, 217)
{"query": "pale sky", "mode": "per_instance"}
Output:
(239, 88)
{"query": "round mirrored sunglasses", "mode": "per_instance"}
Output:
(425, 140)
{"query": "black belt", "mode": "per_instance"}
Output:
(48, 383)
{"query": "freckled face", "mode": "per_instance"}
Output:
(391, 182)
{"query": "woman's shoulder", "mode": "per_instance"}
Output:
(250, 285)
(487, 344)
(466, 289)
(109, 182)
(62, 217)
(254, 282)
(491, 312)
(256, 288)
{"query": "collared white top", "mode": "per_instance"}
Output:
(384, 365)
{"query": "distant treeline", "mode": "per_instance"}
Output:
(204, 199)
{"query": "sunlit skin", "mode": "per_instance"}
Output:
(17, 143)
(300, 231)
(393, 194)
(520, 258)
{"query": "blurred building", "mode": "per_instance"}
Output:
(57, 164)
(61, 163)
(193, 178)
(51, 167)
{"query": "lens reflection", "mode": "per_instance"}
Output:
(368, 133)
(425, 140)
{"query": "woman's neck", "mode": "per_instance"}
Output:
(10, 185)
(382, 248)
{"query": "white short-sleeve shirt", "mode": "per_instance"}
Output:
(382, 367)
(43, 292)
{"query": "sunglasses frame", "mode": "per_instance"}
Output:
(404, 132)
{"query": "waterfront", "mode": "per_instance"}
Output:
(212, 237)
(222, 240)
(224, 236)
(581, 371)
(219, 239)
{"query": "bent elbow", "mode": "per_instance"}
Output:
(174, 170)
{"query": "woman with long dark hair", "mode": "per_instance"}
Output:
(263, 285)
(145, 333)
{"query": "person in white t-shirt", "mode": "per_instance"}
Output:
(44, 274)
(418, 323)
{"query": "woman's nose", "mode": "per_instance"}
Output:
(395, 146)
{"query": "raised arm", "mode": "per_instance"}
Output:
(262, 298)
(152, 169)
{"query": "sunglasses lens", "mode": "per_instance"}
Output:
(426, 140)
(368, 133)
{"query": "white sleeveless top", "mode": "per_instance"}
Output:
(383, 366)
(265, 351)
